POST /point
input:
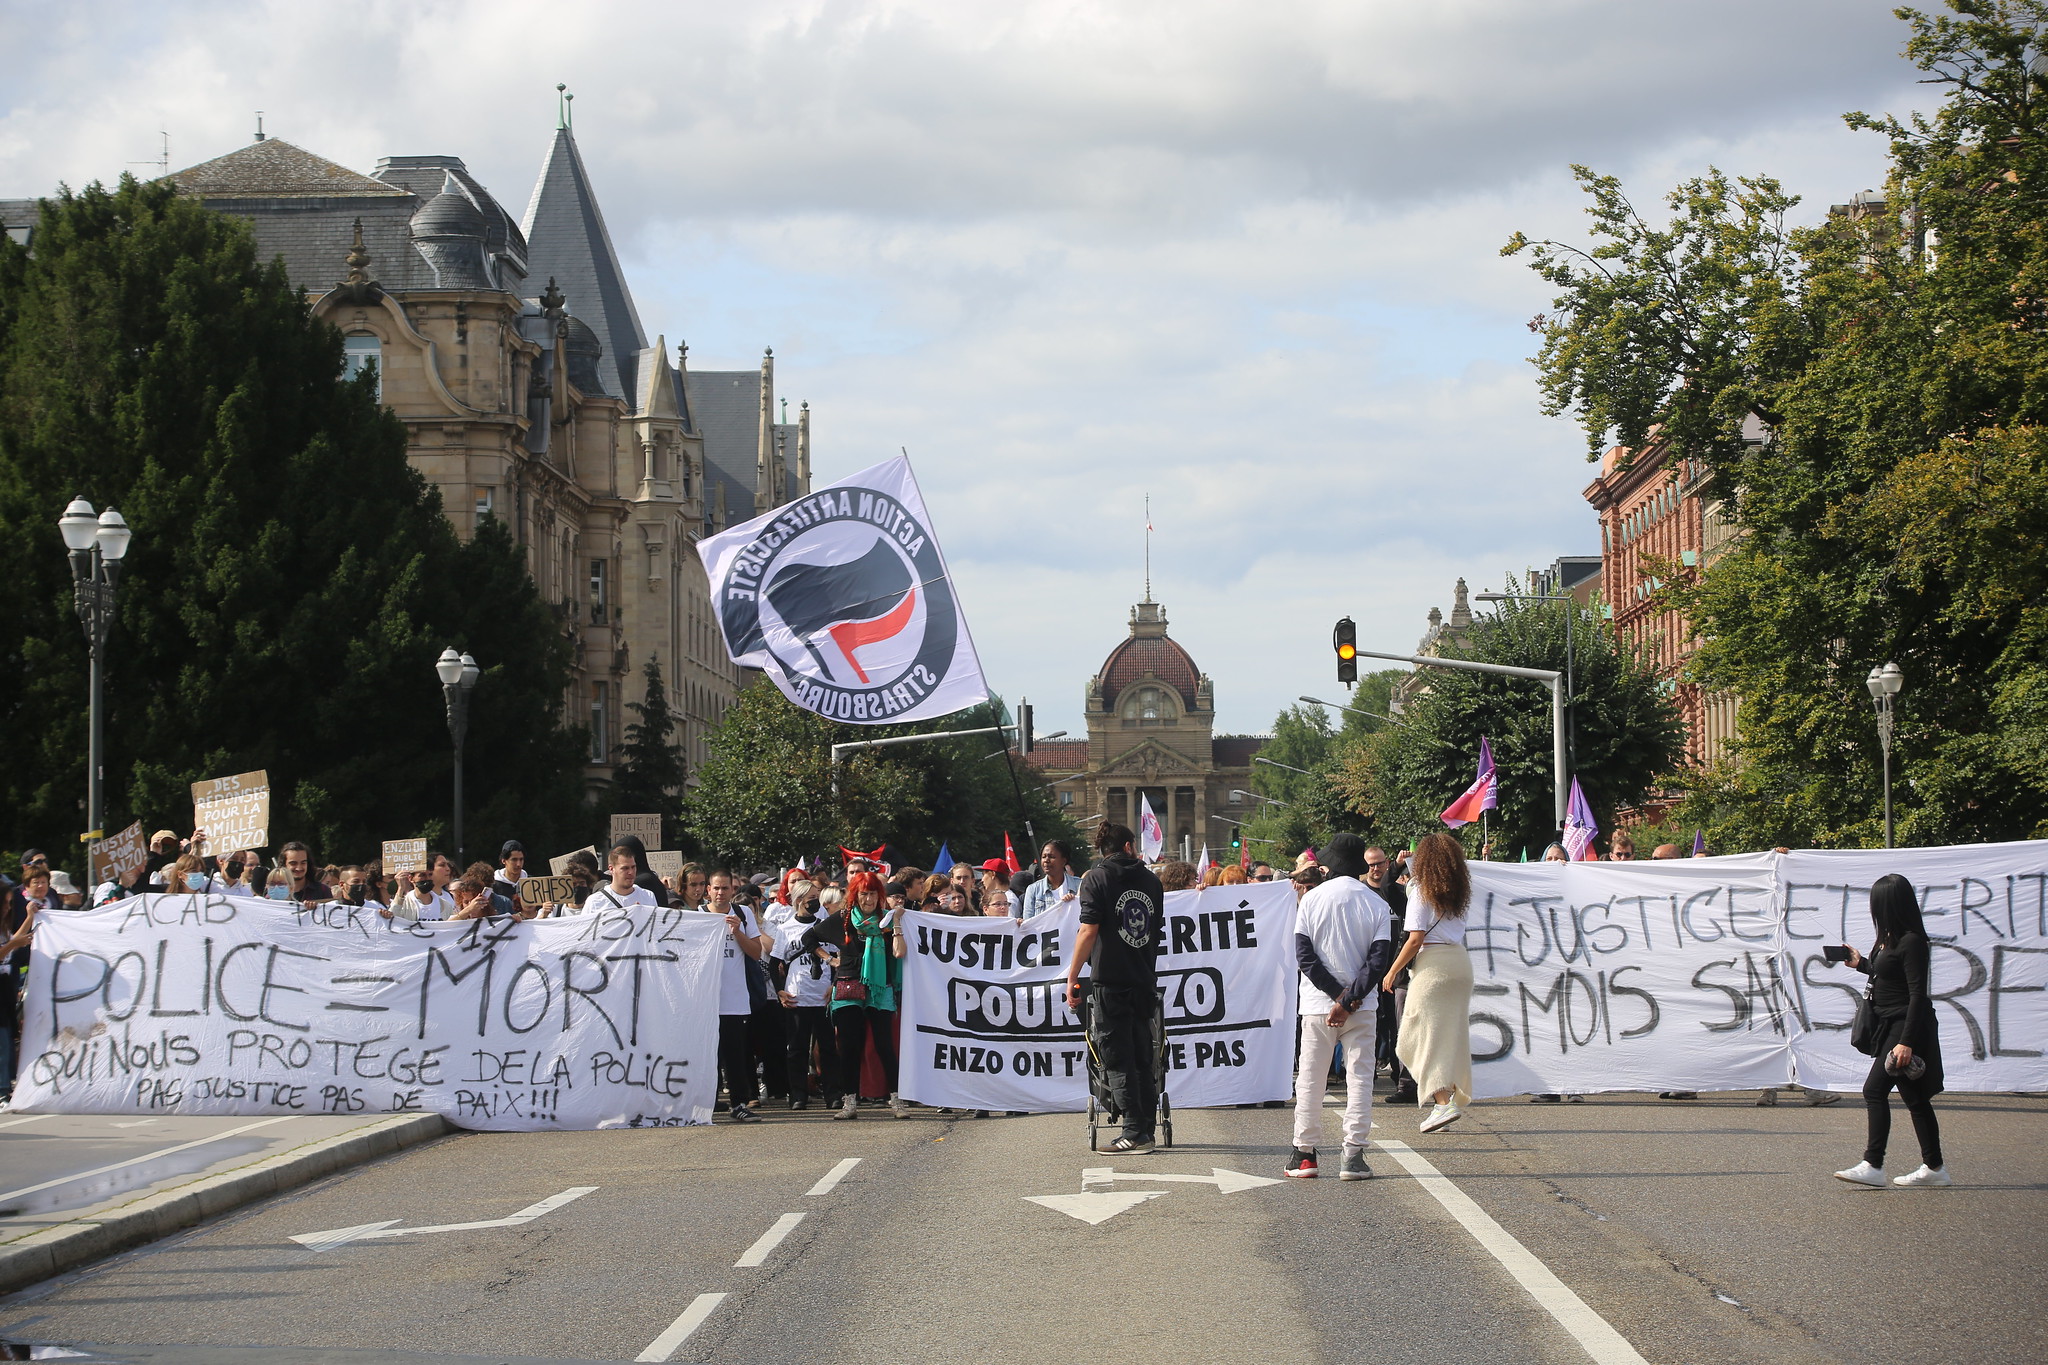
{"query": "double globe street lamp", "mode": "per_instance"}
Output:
(1885, 684)
(458, 674)
(97, 545)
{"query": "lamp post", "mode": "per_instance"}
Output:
(1885, 684)
(458, 674)
(97, 545)
(1571, 725)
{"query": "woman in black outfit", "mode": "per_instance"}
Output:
(1906, 1035)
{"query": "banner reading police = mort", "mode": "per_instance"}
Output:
(843, 598)
(207, 1004)
(986, 1024)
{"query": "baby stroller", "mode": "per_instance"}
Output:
(1103, 1116)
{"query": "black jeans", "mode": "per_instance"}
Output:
(767, 1030)
(1126, 1048)
(855, 1024)
(1878, 1109)
(736, 1058)
(810, 1024)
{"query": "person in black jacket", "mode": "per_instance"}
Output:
(1908, 1041)
(1122, 914)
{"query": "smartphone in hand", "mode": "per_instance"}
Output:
(1835, 952)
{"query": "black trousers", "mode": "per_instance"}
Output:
(855, 1024)
(1877, 1103)
(768, 1032)
(1126, 1048)
(809, 1025)
(736, 1058)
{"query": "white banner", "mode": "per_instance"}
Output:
(986, 1025)
(226, 1005)
(843, 598)
(1707, 973)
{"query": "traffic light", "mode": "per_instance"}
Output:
(1345, 639)
(1236, 840)
(1024, 728)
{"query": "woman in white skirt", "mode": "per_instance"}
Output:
(1436, 1024)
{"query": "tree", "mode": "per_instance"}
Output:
(292, 578)
(650, 773)
(1890, 504)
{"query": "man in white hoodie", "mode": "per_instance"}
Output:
(1343, 943)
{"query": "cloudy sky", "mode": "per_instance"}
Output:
(1241, 257)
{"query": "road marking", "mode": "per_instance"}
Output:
(362, 1232)
(833, 1177)
(1601, 1342)
(1226, 1182)
(135, 1123)
(137, 1161)
(32, 1118)
(1092, 1207)
(768, 1241)
(666, 1345)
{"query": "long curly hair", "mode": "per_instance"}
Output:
(1439, 875)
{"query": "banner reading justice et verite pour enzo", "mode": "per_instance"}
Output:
(986, 1024)
(1708, 974)
(219, 1005)
(842, 597)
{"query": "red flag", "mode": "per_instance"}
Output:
(1010, 855)
(1244, 856)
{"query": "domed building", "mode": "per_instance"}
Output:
(1151, 718)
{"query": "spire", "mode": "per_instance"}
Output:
(1461, 608)
(1148, 547)
(803, 448)
(358, 288)
(567, 239)
(764, 446)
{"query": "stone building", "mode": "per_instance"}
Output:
(1151, 718)
(513, 352)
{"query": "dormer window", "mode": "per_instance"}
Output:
(359, 353)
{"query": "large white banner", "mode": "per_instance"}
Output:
(843, 598)
(221, 1005)
(986, 1025)
(1708, 974)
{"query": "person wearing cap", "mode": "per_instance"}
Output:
(163, 851)
(62, 887)
(995, 888)
(1343, 943)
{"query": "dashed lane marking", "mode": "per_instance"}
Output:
(833, 1177)
(768, 1241)
(669, 1342)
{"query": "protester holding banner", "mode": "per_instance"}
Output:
(1057, 883)
(735, 1003)
(805, 967)
(864, 991)
(1121, 895)
(1436, 1024)
(1901, 1035)
(1343, 944)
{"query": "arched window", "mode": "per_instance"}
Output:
(362, 352)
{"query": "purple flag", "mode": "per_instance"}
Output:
(1580, 829)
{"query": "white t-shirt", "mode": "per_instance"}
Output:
(1342, 918)
(810, 972)
(605, 898)
(733, 997)
(1424, 920)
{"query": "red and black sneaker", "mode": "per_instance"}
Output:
(1303, 1167)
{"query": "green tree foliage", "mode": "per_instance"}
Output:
(650, 774)
(1891, 504)
(764, 797)
(292, 579)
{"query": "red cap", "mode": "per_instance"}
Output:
(995, 865)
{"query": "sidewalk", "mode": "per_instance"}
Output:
(81, 1186)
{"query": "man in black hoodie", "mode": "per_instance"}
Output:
(1122, 914)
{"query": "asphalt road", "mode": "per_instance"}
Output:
(1706, 1232)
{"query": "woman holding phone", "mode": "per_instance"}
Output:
(1908, 1041)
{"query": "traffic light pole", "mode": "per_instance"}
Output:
(1548, 676)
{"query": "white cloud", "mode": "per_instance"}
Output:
(1240, 256)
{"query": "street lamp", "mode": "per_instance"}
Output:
(1885, 684)
(1571, 725)
(1391, 720)
(1257, 797)
(97, 545)
(1276, 763)
(458, 674)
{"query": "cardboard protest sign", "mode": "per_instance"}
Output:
(404, 855)
(547, 890)
(560, 866)
(645, 828)
(119, 857)
(210, 1004)
(665, 863)
(986, 1024)
(234, 811)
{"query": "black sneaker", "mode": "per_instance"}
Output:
(1354, 1167)
(1546, 1099)
(1303, 1167)
(799, 1104)
(1130, 1146)
(742, 1114)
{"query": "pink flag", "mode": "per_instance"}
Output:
(1202, 866)
(1580, 829)
(1151, 838)
(1482, 795)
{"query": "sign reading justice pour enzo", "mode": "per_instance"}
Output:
(986, 1023)
(843, 598)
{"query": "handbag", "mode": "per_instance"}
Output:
(1867, 1029)
(850, 988)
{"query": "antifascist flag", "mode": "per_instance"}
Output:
(1482, 795)
(843, 599)
(1580, 829)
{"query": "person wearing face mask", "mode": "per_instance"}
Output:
(425, 894)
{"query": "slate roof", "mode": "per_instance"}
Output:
(566, 240)
(1235, 751)
(726, 407)
(1154, 654)
(18, 219)
(275, 169)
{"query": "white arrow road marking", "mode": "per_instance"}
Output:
(334, 1237)
(1226, 1182)
(1091, 1208)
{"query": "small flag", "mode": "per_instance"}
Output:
(944, 862)
(1525, 853)
(1244, 856)
(1202, 867)
(1699, 843)
(1151, 838)
(800, 863)
(1580, 829)
(1010, 855)
(1482, 795)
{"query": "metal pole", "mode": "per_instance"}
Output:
(95, 778)
(1884, 737)
(458, 728)
(1557, 746)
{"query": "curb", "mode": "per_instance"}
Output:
(57, 1249)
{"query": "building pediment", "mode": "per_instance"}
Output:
(1152, 758)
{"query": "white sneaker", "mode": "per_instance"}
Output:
(1442, 1116)
(899, 1106)
(1863, 1173)
(1926, 1175)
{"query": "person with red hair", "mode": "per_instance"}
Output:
(864, 989)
